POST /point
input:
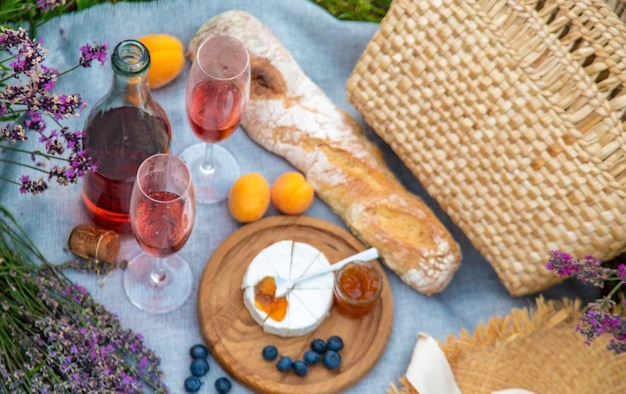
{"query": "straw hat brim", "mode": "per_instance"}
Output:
(535, 349)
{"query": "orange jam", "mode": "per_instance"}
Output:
(276, 308)
(357, 289)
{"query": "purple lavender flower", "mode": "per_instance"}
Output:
(46, 80)
(89, 53)
(53, 145)
(562, 263)
(617, 346)
(600, 317)
(47, 5)
(621, 271)
(589, 270)
(10, 38)
(598, 320)
(34, 121)
(13, 134)
(27, 59)
(33, 187)
(59, 107)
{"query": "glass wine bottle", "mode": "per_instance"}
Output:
(125, 127)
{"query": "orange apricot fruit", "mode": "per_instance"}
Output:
(249, 197)
(291, 193)
(167, 58)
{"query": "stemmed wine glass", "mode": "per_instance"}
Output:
(218, 89)
(162, 214)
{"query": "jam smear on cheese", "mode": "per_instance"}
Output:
(276, 308)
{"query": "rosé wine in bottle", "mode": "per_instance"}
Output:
(124, 128)
(106, 192)
(214, 112)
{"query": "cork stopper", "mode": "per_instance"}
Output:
(90, 242)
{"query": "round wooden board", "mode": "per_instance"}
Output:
(237, 340)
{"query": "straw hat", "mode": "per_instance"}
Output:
(535, 349)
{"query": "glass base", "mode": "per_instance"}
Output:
(211, 185)
(157, 292)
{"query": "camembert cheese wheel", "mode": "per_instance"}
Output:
(308, 302)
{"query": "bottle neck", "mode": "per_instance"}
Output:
(134, 89)
(130, 61)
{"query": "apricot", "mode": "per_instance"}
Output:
(291, 193)
(249, 197)
(167, 58)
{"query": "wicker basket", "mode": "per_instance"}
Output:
(511, 114)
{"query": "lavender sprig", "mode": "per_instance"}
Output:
(54, 337)
(26, 97)
(601, 316)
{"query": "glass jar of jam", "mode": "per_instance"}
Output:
(357, 289)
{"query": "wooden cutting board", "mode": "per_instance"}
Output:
(237, 341)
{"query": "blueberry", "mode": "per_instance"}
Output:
(311, 358)
(270, 352)
(299, 367)
(199, 367)
(335, 343)
(223, 385)
(192, 384)
(331, 360)
(199, 351)
(284, 364)
(318, 346)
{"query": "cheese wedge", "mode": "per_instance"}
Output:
(308, 302)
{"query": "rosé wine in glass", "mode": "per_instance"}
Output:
(218, 90)
(162, 213)
(214, 112)
(161, 229)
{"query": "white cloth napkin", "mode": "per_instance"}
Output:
(430, 373)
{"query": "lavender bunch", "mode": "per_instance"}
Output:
(27, 101)
(34, 13)
(54, 337)
(602, 316)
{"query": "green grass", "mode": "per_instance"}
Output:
(356, 10)
(19, 12)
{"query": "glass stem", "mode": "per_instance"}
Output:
(158, 274)
(207, 167)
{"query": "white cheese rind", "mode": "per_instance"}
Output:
(308, 302)
(248, 299)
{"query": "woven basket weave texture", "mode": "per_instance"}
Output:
(618, 7)
(511, 114)
(537, 349)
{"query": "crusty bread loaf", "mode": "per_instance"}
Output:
(290, 116)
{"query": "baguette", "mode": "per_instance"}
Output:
(292, 117)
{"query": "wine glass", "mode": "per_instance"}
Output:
(218, 89)
(162, 213)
